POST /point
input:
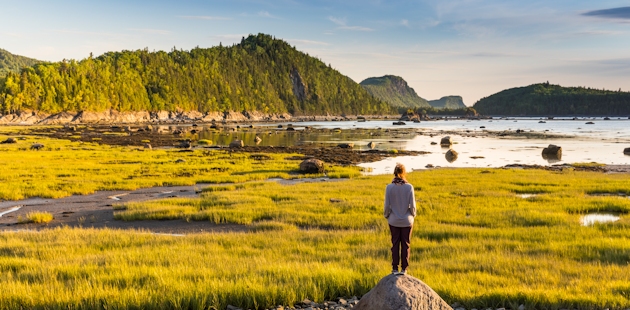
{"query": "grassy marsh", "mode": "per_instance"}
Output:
(483, 237)
(63, 168)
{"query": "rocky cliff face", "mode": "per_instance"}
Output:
(448, 102)
(300, 89)
(395, 91)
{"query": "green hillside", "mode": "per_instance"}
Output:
(448, 102)
(259, 74)
(395, 91)
(548, 99)
(13, 63)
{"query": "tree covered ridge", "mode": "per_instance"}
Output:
(549, 99)
(260, 73)
(13, 63)
(394, 90)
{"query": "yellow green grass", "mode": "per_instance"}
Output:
(36, 217)
(476, 240)
(64, 168)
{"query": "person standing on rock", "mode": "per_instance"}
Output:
(400, 211)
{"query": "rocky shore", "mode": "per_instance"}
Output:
(164, 117)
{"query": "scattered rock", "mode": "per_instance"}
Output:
(482, 127)
(333, 200)
(626, 151)
(589, 123)
(179, 161)
(9, 140)
(147, 146)
(399, 123)
(237, 144)
(37, 146)
(257, 140)
(428, 166)
(401, 292)
(606, 118)
(552, 152)
(346, 145)
(185, 144)
(290, 129)
(371, 145)
(451, 155)
(433, 143)
(476, 157)
(446, 141)
(312, 165)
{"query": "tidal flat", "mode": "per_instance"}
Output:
(477, 240)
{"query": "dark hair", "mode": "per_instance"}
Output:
(400, 171)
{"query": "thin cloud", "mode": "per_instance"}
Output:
(204, 17)
(614, 13)
(88, 33)
(266, 14)
(343, 25)
(405, 23)
(152, 31)
(307, 42)
(493, 55)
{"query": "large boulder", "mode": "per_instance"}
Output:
(397, 292)
(237, 144)
(446, 141)
(312, 165)
(345, 145)
(451, 155)
(552, 152)
(9, 140)
(626, 151)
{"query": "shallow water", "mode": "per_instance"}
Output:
(591, 219)
(603, 142)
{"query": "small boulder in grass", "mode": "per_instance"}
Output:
(312, 165)
(237, 144)
(9, 141)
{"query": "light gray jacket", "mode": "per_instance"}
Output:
(400, 205)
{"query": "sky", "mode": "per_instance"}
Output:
(471, 48)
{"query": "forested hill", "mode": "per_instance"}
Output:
(395, 91)
(548, 99)
(259, 74)
(448, 102)
(13, 63)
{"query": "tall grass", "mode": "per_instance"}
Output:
(476, 239)
(65, 168)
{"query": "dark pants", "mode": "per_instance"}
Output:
(401, 239)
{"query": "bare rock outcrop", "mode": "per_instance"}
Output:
(300, 90)
(398, 292)
(59, 118)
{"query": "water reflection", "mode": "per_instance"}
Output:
(591, 219)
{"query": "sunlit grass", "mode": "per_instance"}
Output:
(483, 238)
(36, 217)
(64, 168)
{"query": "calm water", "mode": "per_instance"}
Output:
(602, 142)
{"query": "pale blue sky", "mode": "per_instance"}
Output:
(471, 48)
